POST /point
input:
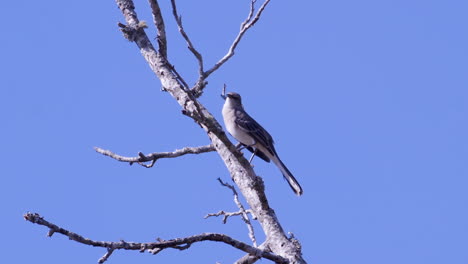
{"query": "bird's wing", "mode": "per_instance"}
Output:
(255, 130)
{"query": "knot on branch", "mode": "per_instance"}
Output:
(294, 241)
(131, 32)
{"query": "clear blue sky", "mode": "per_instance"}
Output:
(367, 101)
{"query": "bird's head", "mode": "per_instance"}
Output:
(234, 97)
(232, 100)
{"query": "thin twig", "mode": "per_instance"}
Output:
(242, 211)
(153, 157)
(162, 40)
(197, 54)
(223, 94)
(226, 215)
(159, 23)
(177, 243)
(179, 77)
(106, 256)
(250, 15)
(248, 23)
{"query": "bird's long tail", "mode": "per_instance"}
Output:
(287, 175)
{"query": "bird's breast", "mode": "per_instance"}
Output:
(229, 116)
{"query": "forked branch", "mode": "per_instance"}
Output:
(178, 20)
(242, 212)
(248, 23)
(250, 185)
(245, 25)
(152, 247)
(153, 157)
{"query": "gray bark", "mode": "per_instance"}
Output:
(250, 185)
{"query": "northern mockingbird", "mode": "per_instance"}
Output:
(253, 136)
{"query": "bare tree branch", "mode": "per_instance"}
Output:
(250, 15)
(106, 256)
(226, 215)
(250, 185)
(177, 243)
(187, 88)
(153, 157)
(249, 259)
(248, 23)
(244, 214)
(159, 23)
(197, 54)
(162, 40)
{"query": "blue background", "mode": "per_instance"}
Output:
(367, 102)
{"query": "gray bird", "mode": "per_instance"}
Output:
(253, 136)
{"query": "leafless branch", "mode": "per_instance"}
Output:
(250, 15)
(106, 256)
(223, 93)
(177, 243)
(249, 259)
(179, 77)
(159, 23)
(242, 212)
(197, 54)
(162, 40)
(250, 185)
(248, 23)
(153, 157)
(226, 215)
(131, 32)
